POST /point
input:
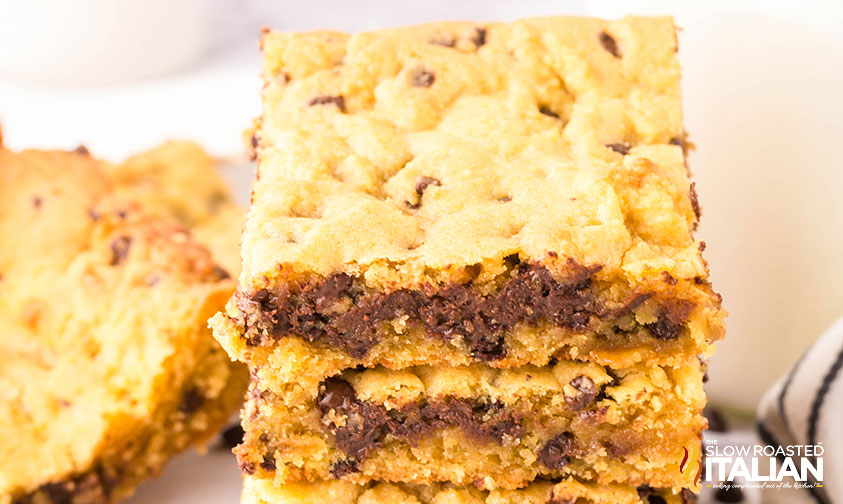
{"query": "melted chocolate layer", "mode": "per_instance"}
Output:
(341, 312)
(367, 424)
(93, 487)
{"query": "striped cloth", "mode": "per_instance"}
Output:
(805, 407)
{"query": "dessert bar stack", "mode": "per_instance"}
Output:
(469, 271)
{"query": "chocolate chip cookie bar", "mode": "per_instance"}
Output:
(108, 367)
(470, 263)
(457, 193)
(477, 425)
(567, 491)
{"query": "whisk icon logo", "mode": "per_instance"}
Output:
(684, 463)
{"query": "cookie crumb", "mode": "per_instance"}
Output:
(422, 77)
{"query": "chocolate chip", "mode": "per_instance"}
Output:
(644, 491)
(546, 111)
(253, 152)
(90, 487)
(37, 201)
(695, 202)
(663, 329)
(680, 142)
(337, 394)
(716, 420)
(219, 273)
(364, 428)
(555, 453)
(268, 463)
(191, 399)
(688, 497)
(57, 493)
(621, 148)
(609, 44)
(344, 467)
(587, 392)
(422, 77)
(423, 183)
(729, 493)
(339, 101)
(247, 467)
(487, 348)
(120, 250)
(668, 278)
(82, 151)
(93, 215)
(232, 436)
(670, 322)
(479, 37)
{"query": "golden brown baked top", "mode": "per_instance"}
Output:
(102, 321)
(407, 155)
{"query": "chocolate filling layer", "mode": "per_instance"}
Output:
(341, 312)
(555, 454)
(365, 424)
(93, 487)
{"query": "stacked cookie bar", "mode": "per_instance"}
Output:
(469, 271)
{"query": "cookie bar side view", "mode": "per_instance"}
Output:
(457, 192)
(481, 426)
(260, 491)
(109, 368)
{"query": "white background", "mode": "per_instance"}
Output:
(762, 89)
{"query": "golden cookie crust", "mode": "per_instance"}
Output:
(109, 368)
(260, 491)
